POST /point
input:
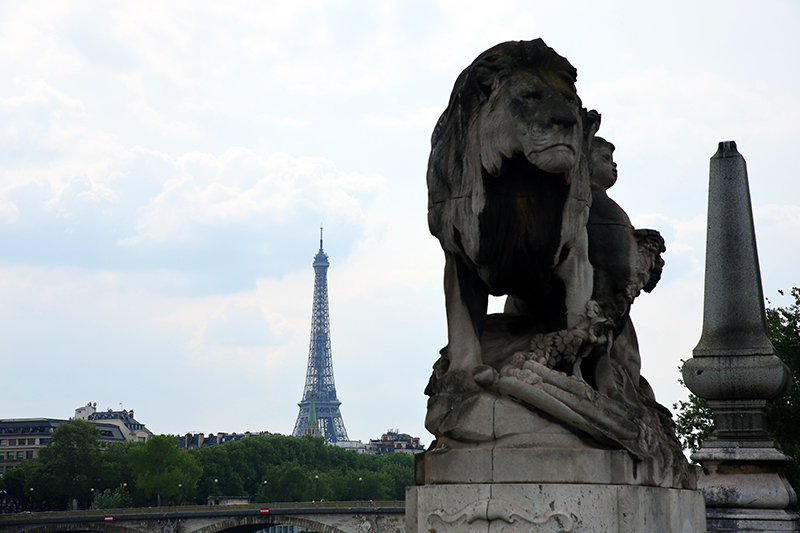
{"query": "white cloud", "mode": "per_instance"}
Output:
(783, 220)
(674, 111)
(286, 121)
(155, 120)
(247, 187)
(424, 119)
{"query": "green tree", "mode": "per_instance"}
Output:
(117, 471)
(783, 420)
(163, 470)
(109, 499)
(695, 421)
(69, 465)
(17, 484)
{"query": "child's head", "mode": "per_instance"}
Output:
(604, 170)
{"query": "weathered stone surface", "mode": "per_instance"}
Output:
(733, 307)
(572, 508)
(750, 521)
(513, 460)
(736, 369)
(513, 419)
(509, 194)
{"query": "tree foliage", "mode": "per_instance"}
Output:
(694, 422)
(116, 499)
(163, 470)
(279, 468)
(263, 468)
(783, 420)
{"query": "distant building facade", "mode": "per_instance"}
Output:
(131, 430)
(22, 438)
(390, 442)
(395, 442)
(352, 445)
(196, 440)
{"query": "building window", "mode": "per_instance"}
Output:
(3, 442)
(31, 442)
(43, 441)
(20, 456)
(29, 454)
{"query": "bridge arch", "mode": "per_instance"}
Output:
(254, 523)
(248, 524)
(99, 527)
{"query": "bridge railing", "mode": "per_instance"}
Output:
(206, 508)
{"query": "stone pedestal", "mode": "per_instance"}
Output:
(552, 508)
(561, 484)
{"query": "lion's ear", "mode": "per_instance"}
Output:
(486, 72)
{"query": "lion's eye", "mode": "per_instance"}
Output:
(532, 94)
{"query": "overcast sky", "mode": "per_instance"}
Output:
(165, 167)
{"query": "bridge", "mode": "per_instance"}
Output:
(322, 517)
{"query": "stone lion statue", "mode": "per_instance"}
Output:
(509, 197)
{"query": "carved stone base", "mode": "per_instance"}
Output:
(552, 508)
(751, 521)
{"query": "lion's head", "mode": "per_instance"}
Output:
(517, 99)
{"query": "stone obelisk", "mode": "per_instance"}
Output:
(735, 368)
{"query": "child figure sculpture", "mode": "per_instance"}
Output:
(626, 261)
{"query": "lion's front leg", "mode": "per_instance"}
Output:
(577, 274)
(466, 300)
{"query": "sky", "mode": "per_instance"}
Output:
(165, 168)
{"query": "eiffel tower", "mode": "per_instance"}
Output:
(319, 387)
